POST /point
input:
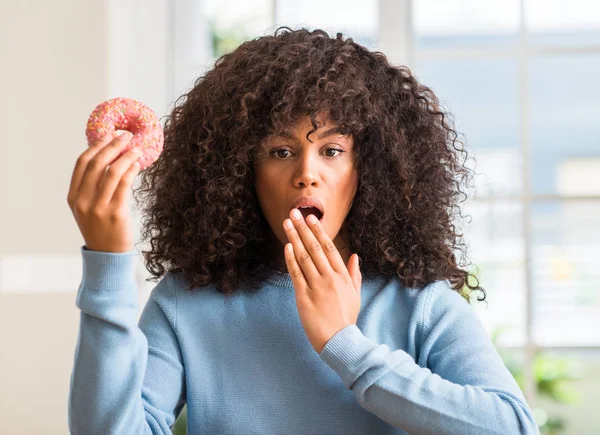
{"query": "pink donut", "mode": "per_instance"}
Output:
(131, 115)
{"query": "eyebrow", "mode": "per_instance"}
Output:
(324, 134)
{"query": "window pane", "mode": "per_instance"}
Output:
(357, 19)
(566, 273)
(568, 385)
(496, 249)
(232, 22)
(563, 22)
(465, 23)
(565, 132)
(482, 95)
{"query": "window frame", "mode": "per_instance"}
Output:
(396, 35)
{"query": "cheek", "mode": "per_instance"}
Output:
(266, 186)
(263, 184)
(347, 184)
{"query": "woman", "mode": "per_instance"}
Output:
(258, 338)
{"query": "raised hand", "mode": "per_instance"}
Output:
(327, 292)
(98, 196)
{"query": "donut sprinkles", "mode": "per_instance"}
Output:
(131, 115)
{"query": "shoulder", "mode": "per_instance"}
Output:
(426, 305)
(164, 294)
(446, 315)
(439, 306)
(440, 296)
(173, 293)
(434, 298)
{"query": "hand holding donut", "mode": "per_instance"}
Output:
(97, 195)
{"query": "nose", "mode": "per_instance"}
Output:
(306, 172)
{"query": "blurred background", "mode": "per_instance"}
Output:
(519, 76)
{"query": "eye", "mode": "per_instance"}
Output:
(280, 150)
(335, 149)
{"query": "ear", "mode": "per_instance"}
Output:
(354, 271)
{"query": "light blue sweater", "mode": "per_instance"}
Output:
(416, 361)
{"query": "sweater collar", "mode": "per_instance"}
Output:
(281, 279)
(284, 280)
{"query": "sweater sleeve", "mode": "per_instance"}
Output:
(126, 378)
(460, 386)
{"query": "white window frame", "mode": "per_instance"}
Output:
(396, 37)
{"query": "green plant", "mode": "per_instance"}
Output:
(180, 426)
(552, 377)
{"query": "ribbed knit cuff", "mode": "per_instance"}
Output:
(345, 352)
(108, 271)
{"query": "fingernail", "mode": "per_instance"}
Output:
(296, 214)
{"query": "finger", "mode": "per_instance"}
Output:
(354, 270)
(97, 166)
(294, 269)
(336, 262)
(122, 191)
(311, 243)
(81, 165)
(303, 257)
(113, 175)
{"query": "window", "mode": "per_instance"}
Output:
(354, 18)
(232, 22)
(520, 78)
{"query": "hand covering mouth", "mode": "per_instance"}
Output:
(309, 205)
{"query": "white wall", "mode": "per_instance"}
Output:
(58, 60)
(54, 69)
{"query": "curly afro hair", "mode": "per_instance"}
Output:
(201, 212)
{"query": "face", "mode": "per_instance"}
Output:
(290, 166)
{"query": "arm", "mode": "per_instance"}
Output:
(125, 378)
(461, 385)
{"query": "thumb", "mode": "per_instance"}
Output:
(354, 271)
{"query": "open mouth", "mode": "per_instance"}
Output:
(310, 210)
